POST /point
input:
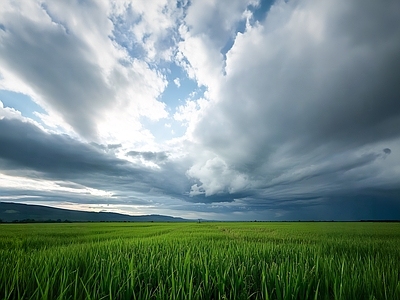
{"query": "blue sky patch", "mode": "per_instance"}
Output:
(22, 103)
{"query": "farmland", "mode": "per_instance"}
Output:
(200, 261)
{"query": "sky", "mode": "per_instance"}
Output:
(220, 110)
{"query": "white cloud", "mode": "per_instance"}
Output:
(189, 114)
(216, 177)
(205, 61)
(207, 27)
(7, 112)
(84, 76)
(215, 19)
(56, 123)
(149, 25)
(11, 113)
(32, 185)
(177, 82)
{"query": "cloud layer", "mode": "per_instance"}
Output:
(294, 114)
(320, 97)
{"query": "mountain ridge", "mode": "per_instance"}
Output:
(17, 212)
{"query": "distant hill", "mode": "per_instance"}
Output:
(10, 212)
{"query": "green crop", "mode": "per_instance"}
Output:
(200, 261)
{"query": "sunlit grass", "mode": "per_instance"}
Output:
(200, 261)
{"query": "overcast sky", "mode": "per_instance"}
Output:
(222, 110)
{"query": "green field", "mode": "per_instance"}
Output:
(200, 261)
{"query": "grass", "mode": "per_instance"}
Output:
(200, 261)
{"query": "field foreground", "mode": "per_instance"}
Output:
(200, 261)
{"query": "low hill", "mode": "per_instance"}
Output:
(10, 212)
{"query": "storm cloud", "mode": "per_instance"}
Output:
(318, 103)
(157, 157)
(28, 150)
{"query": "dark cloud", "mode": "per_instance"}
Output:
(370, 205)
(156, 157)
(25, 147)
(387, 151)
(311, 102)
(114, 146)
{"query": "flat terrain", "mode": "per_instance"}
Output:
(200, 261)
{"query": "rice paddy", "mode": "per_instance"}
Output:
(200, 261)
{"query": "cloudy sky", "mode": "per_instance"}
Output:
(222, 110)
